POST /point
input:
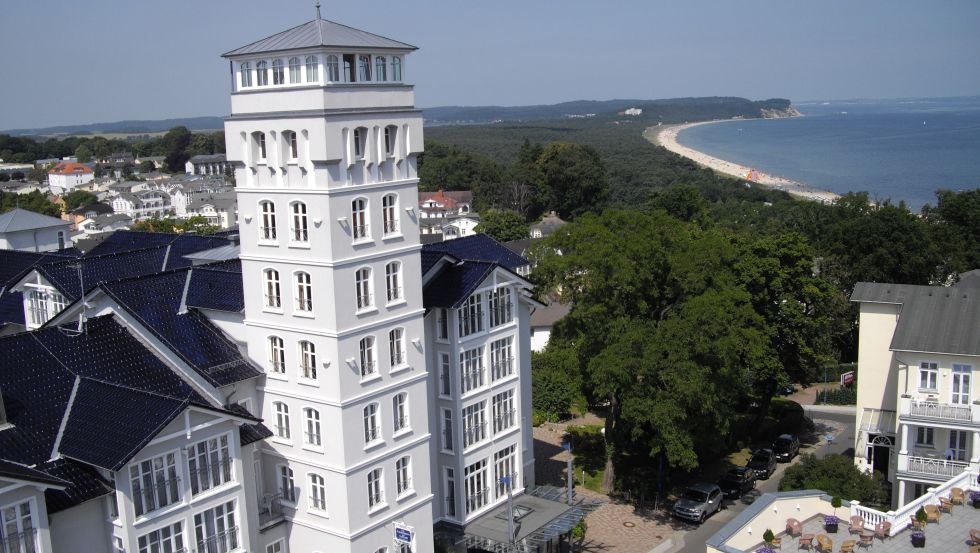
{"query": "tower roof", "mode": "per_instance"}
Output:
(319, 32)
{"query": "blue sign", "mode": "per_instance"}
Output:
(403, 535)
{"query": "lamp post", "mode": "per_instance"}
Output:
(506, 481)
(567, 446)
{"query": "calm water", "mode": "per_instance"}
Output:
(902, 150)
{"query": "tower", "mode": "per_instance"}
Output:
(323, 136)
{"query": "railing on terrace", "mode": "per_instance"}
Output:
(900, 518)
(25, 541)
(935, 467)
(944, 411)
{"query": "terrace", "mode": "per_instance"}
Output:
(948, 532)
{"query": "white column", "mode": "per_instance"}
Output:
(901, 493)
(903, 430)
(975, 449)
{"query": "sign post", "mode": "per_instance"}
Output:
(404, 535)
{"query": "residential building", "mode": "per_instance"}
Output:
(143, 205)
(220, 209)
(918, 420)
(547, 225)
(67, 176)
(443, 205)
(214, 164)
(28, 231)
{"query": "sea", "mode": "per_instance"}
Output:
(898, 150)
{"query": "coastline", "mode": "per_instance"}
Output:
(666, 136)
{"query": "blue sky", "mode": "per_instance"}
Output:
(74, 61)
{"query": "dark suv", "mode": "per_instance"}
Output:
(737, 481)
(763, 462)
(786, 447)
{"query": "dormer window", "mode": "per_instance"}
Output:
(364, 67)
(396, 68)
(295, 71)
(380, 69)
(246, 73)
(278, 76)
(333, 69)
(262, 73)
(312, 69)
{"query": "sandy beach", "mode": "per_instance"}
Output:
(666, 136)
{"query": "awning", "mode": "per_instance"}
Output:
(877, 421)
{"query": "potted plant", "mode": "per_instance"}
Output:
(830, 523)
(765, 549)
(768, 536)
(975, 499)
(918, 538)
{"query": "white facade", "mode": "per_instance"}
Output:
(68, 176)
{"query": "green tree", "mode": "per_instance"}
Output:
(38, 175)
(175, 143)
(83, 153)
(147, 166)
(503, 225)
(79, 198)
(554, 381)
(574, 179)
(835, 475)
(196, 224)
(34, 201)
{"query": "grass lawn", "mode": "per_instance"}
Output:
(593, 477)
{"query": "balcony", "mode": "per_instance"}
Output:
(930, 467)
(934, 411)
(271, 511)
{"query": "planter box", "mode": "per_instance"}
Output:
(919, 542)
(830, 528)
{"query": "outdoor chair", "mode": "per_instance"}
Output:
(974, 537)
(945, 505)
(957, 496)
(806, 542)
(867, 540)
(776, 543)
(932, 513)
(915, 524)
(794, 527)
(825, 544)
(883, 530)
(857, 525)
(847, 546)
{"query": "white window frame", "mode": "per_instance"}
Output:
(278, 72)
(400, 413)
(307, 360)
(333, 68)
(376, 488)
(474, 420)
(222, 536)
(368, 357)
(267, 220)
(389, 215)
(166, 538)
(470, 315)
(262, 73)
(505, 464)
(312, 69)
(961, 382)
(501, 306)
(278, 546)
(363, 289)
(281, 412)
(446, 429)
(206, 474)
(286, 482)
(295, 70)
(403, 476)
(359, 142)
(445, 375)
(476, 486)
(380, 69)
(304, 292)
(312, 435)
(162, 474)
(396, 69)
(299, 232)
(318, 492)
(925, 436)
(245, 70)
(360, 228)
(372, 424)
(273, 289)
(277, 356)
(21, 517)
(396, 348)
(504, 411)
(472, 373)
(502, 358)
(929, 376)
(393, 282)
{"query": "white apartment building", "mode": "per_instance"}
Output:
(918, 407)
(68, 175)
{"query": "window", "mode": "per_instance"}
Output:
(474, 424)
(450, 492)
(360, 141)
(372, 429)
(215, 529)
(471, 371)
(312, 434)
(287, 487)
(299, 230)
(18, 533)
(312, 69)
(272, 297)
(447, 430)
(470, 316)
(501, 358)
(442, 324)
(399, 408)
(505, 464)
(396, 347)
(364, 67)
(500, 307)
(477, 489)
(928, 375)
(209, 464)
(262, 73)
(318, 493)
(391, 132)
(362, 288)
(389, 213)
(290, 137)
(268, 228)
(349, 68)
(403, 475)
(358, 212)
(169, 539)
(396, 68)
(307, 359)
(957, 445)
(444, 375)
(304, 292)
(504, 413)
(278, 76)
(245, 69)
(333, 69)
(393, 281)
(275, 547)
(262, 152)
(295, 71)
(154, 483)
(277, 355)
(380, 69)
(924, 436)
(43, 305)
(368, 367)
(375, 488)
(282, 419)
(961, 384)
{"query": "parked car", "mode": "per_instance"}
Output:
(786, 390)
(786, 447)
(698, 502)
(737, 481)
(763, 462)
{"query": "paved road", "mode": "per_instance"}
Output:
(832, 420)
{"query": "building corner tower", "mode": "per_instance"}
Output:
(324, 137)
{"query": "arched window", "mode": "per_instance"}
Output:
(278, 76)
(360, 142)
(281, 411)
(267, 230)
(259, 145)
(399, 408)
(299, 230)
(277, 355)
(391, 132)
(290, 138)
(272, 296)
(403, 475)
(389, 213)
(372, 426)
(262, 73)
(245, 69)
(393, 280)
(358, 218)
(333, 68)
(375, 488)
(396, 347)
(304, 292)
(364, 67)
(295, 71)
(312, 434)
(366, 346)
(380, 69)
(307, 359)
(286, 485)
(312, 69)
(396, 68)
(362, 288)
(318, 493)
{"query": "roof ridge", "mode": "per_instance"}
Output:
(270, 36)
(139, 390)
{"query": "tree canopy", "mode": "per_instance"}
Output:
(196, 224)
(503, 225)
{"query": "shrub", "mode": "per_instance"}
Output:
(788, 416)
(578, 531)
(921, 515)
(836, 475)
(845, 395)
(768, 536)
(538, 418)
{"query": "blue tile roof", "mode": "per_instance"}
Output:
(84, 483)
(17, 471)
(478, 247)
(102, 268)
(156, 301)
(129, 240)
(216, 289)
(430, 258)
(14, 264)
(11, 308)
(455, 283)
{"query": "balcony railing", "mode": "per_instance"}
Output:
(271, 508)
(935, 467)
(941, 411)
(21, 542)
(220, 543)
